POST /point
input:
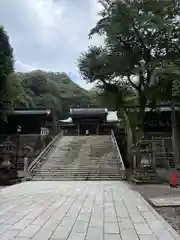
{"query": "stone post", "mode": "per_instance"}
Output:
(25, 167)
(78, 129)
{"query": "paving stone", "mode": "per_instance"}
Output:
(4, 227)
(46, 231)
(60, 210)
(22, 224)
(127, 234)
(125, 223)
(80, 227)
(112, 237)
(142, 228)
(13, 220)
(29, 231)
(61, 232)
(135, 215)
(98, 222)
(40, 220)
(149, 216)
(111, 227)
(20, 238)
(121, 210)
(67, 221)
(83, 218)
(166, 201)
(76, 236)
(9, 235)
(5, 217)
(166, 235)
(157, 227)
(110, 218)
(94, 233)
(147, 237)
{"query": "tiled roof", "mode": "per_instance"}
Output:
(79, 111)
(31, 112)
(111, 117)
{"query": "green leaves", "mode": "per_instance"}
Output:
(142, 48)
(6, 68)
(93, 64)
(53, 90)
(6, 57)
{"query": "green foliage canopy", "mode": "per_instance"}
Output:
(53, 90)
(142, 39)
(6, 69)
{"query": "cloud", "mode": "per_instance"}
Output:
(49, 34)
(23, 67)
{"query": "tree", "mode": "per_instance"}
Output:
(140, 38)
(96, 65)
(37, 82)
(53, 90)
(6, 68)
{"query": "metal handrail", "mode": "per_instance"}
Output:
(117, 147)
(37, 160)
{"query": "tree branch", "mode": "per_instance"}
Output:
(105, 4)
(147, 53)
(133, 84)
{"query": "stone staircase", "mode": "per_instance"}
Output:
(82, 158)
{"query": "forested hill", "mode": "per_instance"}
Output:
(51, 90)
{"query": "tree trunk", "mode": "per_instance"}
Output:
(140, 127)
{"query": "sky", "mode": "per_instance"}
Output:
(50, 34)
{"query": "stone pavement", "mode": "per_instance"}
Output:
(78, 211)
(165, 202)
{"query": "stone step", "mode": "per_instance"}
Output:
(111, 173)
(84, 158)
(105, 168)
(81, 174)
(76, 178)
(83, 162)
(98, 160)
(92, 158)
(88, 167)
(77, 168)
(64, 166)
(73, 165)
(146, 181)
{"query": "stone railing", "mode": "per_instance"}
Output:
(123, 169)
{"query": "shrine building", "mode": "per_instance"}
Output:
(30, 121)
(94, 120)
